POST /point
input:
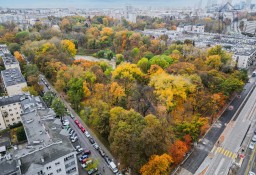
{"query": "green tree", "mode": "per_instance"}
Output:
(144, 64)
(21, 135)
(58, 107)
(48, 98)
(75, 91)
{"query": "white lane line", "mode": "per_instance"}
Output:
(218, 168)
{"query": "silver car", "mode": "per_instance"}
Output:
(251, 146)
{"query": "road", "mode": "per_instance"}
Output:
(225, 153)
(204, 147)
(82, 139)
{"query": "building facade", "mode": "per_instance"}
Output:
(13, 81)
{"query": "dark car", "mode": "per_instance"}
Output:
(83, 157)
(102, 153)
(91, 140)
(107, 159)
(87, 152)
(91, 171)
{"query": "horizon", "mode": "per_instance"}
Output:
(100, 3)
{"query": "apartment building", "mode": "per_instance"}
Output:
(8, 59)
(13, 81)
(10, 110)
(48, 150)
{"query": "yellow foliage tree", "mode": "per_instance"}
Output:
(169, 88)
(116, 91)
(157, 165)
(214, 61)
(69, 46)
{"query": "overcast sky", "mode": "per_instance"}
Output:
(97, 3)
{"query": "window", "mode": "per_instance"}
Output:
(58, 170)
(50, 174)
(69, 157)
(12, 119)
(48, 168)
(10, 109)
(11, 114)
(18, 117)
(15, 108)
(57, 163)
(7, 120)
(17, 112)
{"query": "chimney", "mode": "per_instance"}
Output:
(42, 159)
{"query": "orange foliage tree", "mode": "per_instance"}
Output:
(157, 165)
(178, 150)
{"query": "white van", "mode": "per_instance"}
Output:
(113, 167)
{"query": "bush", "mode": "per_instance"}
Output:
(15, 125)
(21, 135)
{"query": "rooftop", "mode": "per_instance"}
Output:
(12, 77)
(47, 140)
(8, 166)
(8, 59)
(6, 100)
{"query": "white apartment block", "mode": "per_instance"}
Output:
(13, 81)
(191, 28)
(245, 59)
(9, 60)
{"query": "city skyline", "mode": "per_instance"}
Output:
(100, 3)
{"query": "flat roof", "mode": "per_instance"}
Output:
(9, 59)
(8, 166)
(46, 137)
(12, 77)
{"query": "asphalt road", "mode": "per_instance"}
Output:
(204, 147)
(82, 139)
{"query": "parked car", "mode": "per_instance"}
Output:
(254, 138)
(65, 123)
(85, 160)
(79, 125)
(107, 159)
(74, 140)
(83, 165)
(251, 146)
(76, 122)
(74, 136)
(87, 134)
(82, 129)
(83, 157)
(102, 153)
(77, 147)
(91, 171)
(87, 152)
(91, 140)
(96, 146)
(72, 116)
(251, 173)
(79, 151)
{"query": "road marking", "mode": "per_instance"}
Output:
(222, 150)
(214, 148)
(234, 156)
(226, 153)
(218, 168)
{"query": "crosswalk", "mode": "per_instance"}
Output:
(223, 151)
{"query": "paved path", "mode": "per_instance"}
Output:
(91, 58)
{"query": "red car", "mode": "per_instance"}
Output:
(77, 122)
(82, 129)
(79, 125)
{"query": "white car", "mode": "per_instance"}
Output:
(87, 134)
(251, 146)
(254, 138)
(251, 173)
(77, 147)
(66, 123)
(96, 146)
(74, 140)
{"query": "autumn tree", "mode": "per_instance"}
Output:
(157, 165)
(178, 151)
(69, 47)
